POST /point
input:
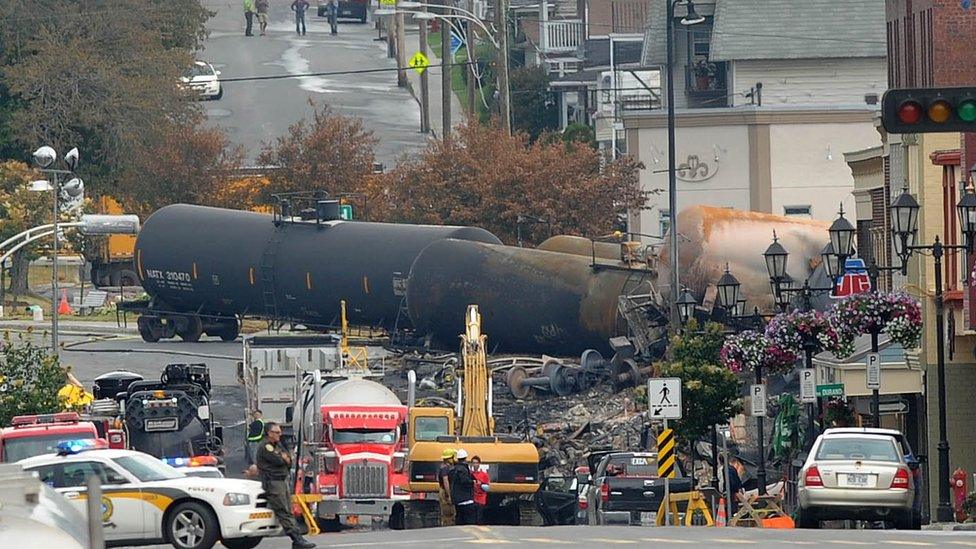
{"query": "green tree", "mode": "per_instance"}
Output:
(710, 391)
(579, 133)
(21, 209)
(534, 108)
(30, 377)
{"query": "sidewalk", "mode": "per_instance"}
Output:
(434, 73)
(71, 327)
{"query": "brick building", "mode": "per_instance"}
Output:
(927, 44)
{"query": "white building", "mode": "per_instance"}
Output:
(769, 95)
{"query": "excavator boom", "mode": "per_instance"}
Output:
(476, 413)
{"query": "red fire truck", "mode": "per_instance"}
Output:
(34, 435)
(354, 438)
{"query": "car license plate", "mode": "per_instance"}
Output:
(858, 480)
(647, 518)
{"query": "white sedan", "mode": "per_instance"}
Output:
(145, 500)
(203, 79)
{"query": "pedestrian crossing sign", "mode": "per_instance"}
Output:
(419, 62)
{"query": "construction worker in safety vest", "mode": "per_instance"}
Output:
(255, 434)
(448, 513)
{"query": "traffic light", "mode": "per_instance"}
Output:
(929, 110)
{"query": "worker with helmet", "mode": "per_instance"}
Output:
(462, 489)
(444, 491)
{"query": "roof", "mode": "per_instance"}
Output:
(781, 29)
(788, 29)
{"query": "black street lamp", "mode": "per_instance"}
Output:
(691, 18)
(686, 306)
(728, 290)
(842, 237)
(904, 217)
(830, 261)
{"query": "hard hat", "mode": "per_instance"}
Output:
(448, 453)
(462, 454)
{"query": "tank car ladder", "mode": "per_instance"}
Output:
(268, 278)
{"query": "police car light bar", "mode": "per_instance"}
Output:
(70, 447)
(195, 461)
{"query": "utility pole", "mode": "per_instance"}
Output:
(504, 95)
(424, 81)
(446, 72)
(472, 56)
(401, 58)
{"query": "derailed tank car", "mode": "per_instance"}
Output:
(206, 267)
(531, 300)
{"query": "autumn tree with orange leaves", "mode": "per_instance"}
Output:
(486, 178)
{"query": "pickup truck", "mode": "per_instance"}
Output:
(626, 489)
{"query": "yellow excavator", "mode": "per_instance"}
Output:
(511, 463)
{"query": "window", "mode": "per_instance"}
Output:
(429, 428)
(797, 211)
(16, 449)
(664, 221)
(848, 449)
(148, 469)
(75, 474)
(632, 466)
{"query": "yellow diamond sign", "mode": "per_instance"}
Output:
(419, 62)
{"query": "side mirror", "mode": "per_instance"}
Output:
(289, 414)
(217, 73)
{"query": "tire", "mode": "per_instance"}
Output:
(230, 332)
(906, 521)
(398, 520)
(806, 520)
(193, 329)
(147, 329)
(128, 278)
(220, 93)
(197, 515)
(329, 525)
(241, 543)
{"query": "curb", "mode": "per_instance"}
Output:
(67, 328)
(951, 527)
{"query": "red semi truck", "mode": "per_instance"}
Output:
(353, 437)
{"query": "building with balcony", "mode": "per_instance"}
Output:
(773, 52)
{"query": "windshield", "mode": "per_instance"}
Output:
(429, 428)
(148, 469)
(352, 436)
(848, 449)
(16, 449)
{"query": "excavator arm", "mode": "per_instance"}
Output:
(476, 398)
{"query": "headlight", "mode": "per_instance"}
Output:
(237, 499)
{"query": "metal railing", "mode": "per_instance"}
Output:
(562, 35)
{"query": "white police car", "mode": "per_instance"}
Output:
(146, 501)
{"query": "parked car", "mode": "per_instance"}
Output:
(348, 9)
(857, 476)
(556, 500)
(626, 488)
(913, 461)
(203, 79)
(583, 481)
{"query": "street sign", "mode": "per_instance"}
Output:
(900, 407)
(456, 43)
(419, 62)
(855, 279)
(758, 393)
(388, 2)
(831, 390)
(664, 397)
(808, 385)
(873, 370)
(345, 212)
(665, 454)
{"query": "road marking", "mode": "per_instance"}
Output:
(398, 542)
(549, 540)
(844, 542)
(488, 540)
(614, 541)
(730, 540)
(667, 540)
(916, 543)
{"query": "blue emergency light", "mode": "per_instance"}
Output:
(70, 447)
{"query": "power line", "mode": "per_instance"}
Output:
(329, 73)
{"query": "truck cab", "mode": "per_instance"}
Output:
(35, 435)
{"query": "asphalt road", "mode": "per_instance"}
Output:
(622, 536)
(256, 112)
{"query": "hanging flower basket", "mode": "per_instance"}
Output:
(750, 349)
(897, 314)
(798, 330)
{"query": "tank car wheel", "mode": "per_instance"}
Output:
(149, 329)
(515, 378)
(230, 332)
(189, 328)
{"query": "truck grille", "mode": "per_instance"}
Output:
(364, 480)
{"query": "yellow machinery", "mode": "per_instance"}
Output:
(512, 464)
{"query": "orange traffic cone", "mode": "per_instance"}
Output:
(721, 518)
(63, 307)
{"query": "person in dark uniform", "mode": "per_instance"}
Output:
(273, 462)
